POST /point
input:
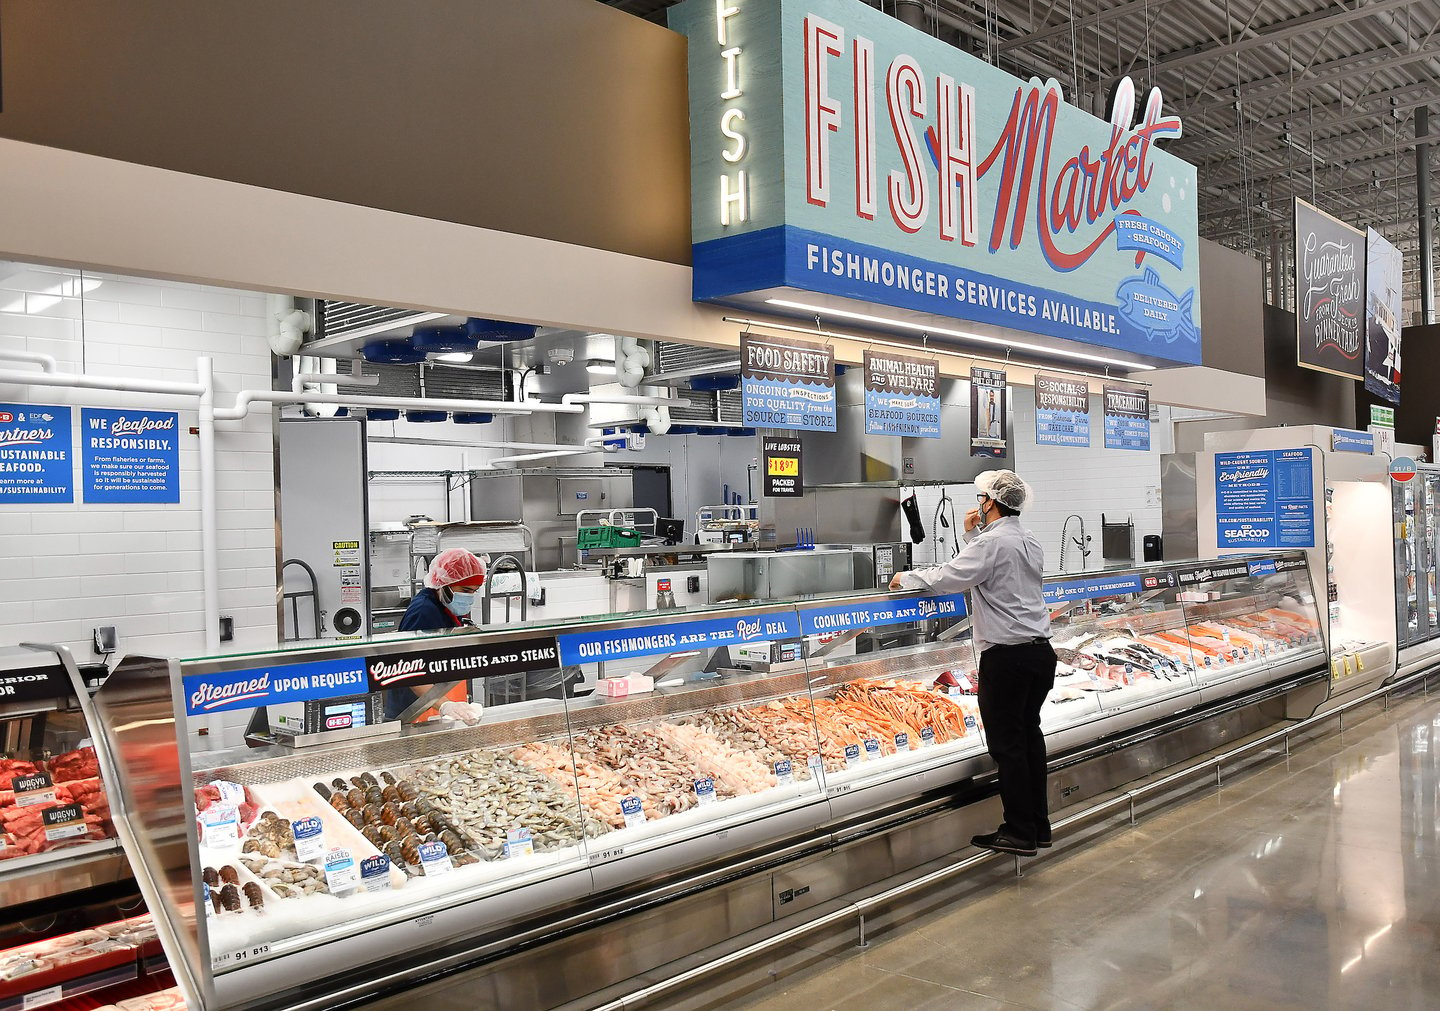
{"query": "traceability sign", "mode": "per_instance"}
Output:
(1127, 417)
(35, 461)
(902, 395)
(130, 456)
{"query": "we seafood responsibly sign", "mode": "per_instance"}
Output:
(35, 461)
(1330, 293)
(130, 456)
(902, 395)
(787, 383)
(835, 150)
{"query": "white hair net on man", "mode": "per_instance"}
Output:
(1005, 487)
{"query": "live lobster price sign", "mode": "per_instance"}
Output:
(782, 459)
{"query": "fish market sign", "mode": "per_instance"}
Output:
(676, 637)
(821, 620)
(835, 150)
(252, 688)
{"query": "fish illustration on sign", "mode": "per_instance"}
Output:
(1146, 304)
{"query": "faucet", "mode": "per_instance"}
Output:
(1082, 542)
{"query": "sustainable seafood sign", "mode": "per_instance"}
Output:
(1330, 293)
(676, 637)
(1062, 411)
(463, 663)
(836, 150)
(35, 462)
(787, 383)
(902, 395)
(130, 456)
(255, 687)
(1265, 499)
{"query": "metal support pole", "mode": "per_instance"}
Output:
(910, 12)
(1217, 775)
(862, 943)
(1018, 872)
(1132, 810)
(1422, 194)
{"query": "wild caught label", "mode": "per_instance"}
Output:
(309, 838)
(435, 859)
(705, 791)
(852, 755)
(927, 737)
(872, 749)
(902, 742)
(784, 775)
(633, 811)
(375, 873)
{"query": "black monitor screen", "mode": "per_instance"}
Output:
(673, 531)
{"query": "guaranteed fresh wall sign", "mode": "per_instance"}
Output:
(836, 150)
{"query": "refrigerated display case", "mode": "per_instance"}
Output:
(1417, 611)
(724, 737)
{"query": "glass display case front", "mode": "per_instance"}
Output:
(712, 734)
(1417, 609)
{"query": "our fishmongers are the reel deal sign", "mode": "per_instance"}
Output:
(835, 150)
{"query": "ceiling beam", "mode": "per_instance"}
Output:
(1085, 21)
(1319, 76)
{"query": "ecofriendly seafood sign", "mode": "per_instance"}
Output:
(1330, 293)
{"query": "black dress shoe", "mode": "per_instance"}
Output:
(1042, 840)
(1003, 842)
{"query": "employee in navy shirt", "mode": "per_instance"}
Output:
(451, 583)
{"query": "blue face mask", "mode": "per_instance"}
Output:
(461, 603)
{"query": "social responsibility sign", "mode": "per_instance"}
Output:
(1384, 271)
(1265, 499)
(1330, 287)
(987, 413)
(902, 395)
(1127, 417)
(130, 456)
(35, 461)
(835, 150)
(1062, 411)
(787, 383)
(783, 459)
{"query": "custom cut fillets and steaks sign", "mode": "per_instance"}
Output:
(835, 150)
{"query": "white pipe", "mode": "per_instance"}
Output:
(209, 537)
(331, 379)
(47, 363)
(510, 461)
(571, 403)
(114, 384)
(291, 325)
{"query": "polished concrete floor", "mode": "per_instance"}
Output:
(1307, 882)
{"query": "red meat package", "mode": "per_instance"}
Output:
(165, 1000)
(10, 768)
(224, 792)
(77, 764)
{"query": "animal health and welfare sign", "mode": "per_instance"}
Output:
(35, 461)
(130, 456)
(1265, 499)
(837, 151)
(902, 395)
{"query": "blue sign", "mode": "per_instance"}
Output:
(1265, 568)
(259, 686)
(1090, 589)
(676, 637)
(822, 620)
(1062, 411)
(835, 150)
(902, 395)
(35, 463)
(1348, 440)
(1127, 418)
(787, 383)
(1264, 499)
(130, 456)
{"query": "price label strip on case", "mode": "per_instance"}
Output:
(40, 998)
(633, 811)
(309, 838)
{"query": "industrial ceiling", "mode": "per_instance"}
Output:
(1279, 98)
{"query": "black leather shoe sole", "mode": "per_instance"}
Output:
(1002, 843)
(1044, 845)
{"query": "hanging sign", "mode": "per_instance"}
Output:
(130, 456)
(1382, 417)
(787, 383)
(987, 413)
(835, 150)
(1346, 440)
(1062, 411)
(1265, 499)
(783, 473)
(1384, 270)
(677, 636)
(1127, 418)
(1330, 293)
(253, 687)
(902, 395)
(1402, 469)
(35, 462)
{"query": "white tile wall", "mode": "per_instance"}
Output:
(67, 568)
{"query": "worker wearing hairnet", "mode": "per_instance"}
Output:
(1001, 564)
(454, 577)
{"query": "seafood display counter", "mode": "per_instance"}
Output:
(283, 875)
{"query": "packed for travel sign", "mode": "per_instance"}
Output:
(835, 150)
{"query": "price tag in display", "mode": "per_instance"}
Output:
(518, 843)
(230, 793)
(970, 723)
(32, 790)
(64, 822)
(220, 826)
(705, 791)
(784, 773)
(852, 755)
(341, 874)
(375, 873)
(40, 998)
(966, 685)
(209, 905)
(435, 859)
(872, 749)
(817, 765)
(902, 742)
(927, 737)
(309, 838)
(633, 811)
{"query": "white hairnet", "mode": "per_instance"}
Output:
(1005, 487)
(455, 565)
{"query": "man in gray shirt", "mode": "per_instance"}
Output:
(1001, 565)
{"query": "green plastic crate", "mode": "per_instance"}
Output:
(607, 537)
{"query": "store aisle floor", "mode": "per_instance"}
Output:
(1308, 882)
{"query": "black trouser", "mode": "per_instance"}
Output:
(1014, 681)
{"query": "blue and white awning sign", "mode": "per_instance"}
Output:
(877, 614)
(259, 686)
(1349, 440)
(676, 637)
(1090, 589)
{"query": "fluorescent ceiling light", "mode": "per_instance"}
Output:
(960, 334)
(458, 357)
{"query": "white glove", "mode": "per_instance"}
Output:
(466, 712)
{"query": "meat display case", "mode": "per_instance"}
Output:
(283, 876)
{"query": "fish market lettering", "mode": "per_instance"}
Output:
(748, 630)
(734, 191)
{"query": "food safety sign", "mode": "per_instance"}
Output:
(1265, 499)
(787, 383)
(130, 456)
(35, 462)
(902, 395)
